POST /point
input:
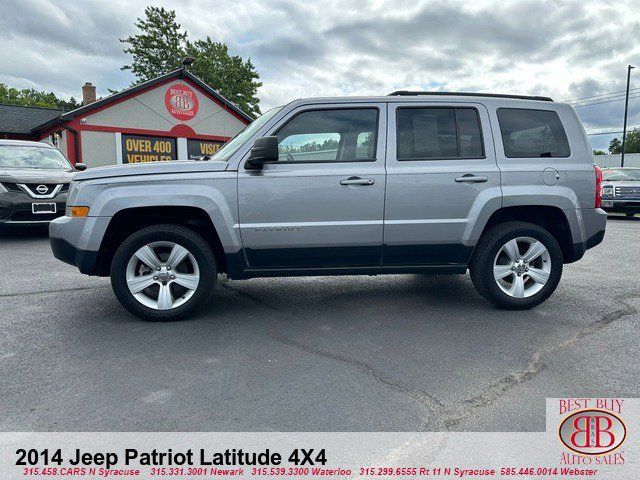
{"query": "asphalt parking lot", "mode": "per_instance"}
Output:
(406, 352)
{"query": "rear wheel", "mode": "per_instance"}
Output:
(163, 273)
(630, 214)
(516, 265)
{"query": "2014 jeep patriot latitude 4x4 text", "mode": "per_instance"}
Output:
(501, 185)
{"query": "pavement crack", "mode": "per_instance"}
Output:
(423, 398)
(225, 284)
(448, 418)
(418, 394)
(61, 290)
(498, 389)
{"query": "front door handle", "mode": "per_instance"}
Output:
(471, 178)
(357, 181)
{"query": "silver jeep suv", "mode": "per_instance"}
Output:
(503, 186)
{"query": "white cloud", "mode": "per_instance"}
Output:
(563, 49)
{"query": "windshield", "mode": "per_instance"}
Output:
(621, 175)
(233, 145)
(18, 156)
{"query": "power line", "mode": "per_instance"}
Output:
(610, 97)
(574, 100)
(606, 101)
(605, 133)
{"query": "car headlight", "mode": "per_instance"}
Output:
(3, 188)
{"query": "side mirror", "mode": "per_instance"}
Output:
(264, 150)
(80, 167)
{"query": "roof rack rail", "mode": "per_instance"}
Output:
(403, 93)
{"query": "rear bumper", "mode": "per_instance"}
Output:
(594, 223)
(85, 260)
(595, 239)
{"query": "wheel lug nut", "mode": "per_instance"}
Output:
(155, 277)
(173, 277)
(157, 268)
(168, 268)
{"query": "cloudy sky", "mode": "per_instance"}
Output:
(563, 49)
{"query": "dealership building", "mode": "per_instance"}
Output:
(174, 116)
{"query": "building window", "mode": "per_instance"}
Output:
(143, 148)
(196, 149)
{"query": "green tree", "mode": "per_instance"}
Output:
(160, 46)
(70, 104)
(236, 79)
(34, 98)
(599, 152)
(615, 146)
(632, 143)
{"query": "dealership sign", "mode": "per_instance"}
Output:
(592, 431)
(143, 148)
(196, 149)
(181, 102)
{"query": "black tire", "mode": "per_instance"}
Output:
(481, 266)
(630, 214)
(185, 237)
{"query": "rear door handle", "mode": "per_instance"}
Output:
(471, 178)
(357, 181)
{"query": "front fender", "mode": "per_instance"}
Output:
(215, 196)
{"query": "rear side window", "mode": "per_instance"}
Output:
(532, 133)
(438, 133)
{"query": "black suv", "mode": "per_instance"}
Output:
(34, 181)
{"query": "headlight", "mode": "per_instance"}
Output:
(2, 189)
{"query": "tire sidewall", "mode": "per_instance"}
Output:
(496, 293)
(182, 236)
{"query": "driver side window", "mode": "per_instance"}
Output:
(338, 135)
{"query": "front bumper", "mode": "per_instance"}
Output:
(15, 208)
(78, 241)
(87, 261)
(621, 206)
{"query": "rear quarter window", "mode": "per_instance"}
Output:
(528, 133)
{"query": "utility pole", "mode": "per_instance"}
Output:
(626, 108)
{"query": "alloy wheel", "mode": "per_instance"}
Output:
(522, 267)
(162, 275)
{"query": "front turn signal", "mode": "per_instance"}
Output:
(77, 211)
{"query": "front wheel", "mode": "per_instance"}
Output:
(163, 273)
(516, 265)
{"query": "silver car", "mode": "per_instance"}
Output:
(503, 186)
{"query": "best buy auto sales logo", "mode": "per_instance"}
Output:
(181, 102)
(593, 428)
